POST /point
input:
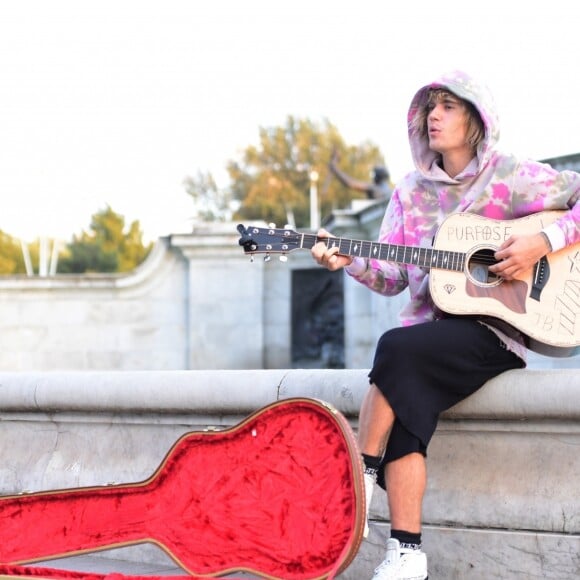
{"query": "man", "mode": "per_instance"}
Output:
(433, 360)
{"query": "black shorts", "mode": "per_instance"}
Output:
(424, 369)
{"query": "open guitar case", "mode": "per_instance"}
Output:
(280, 496)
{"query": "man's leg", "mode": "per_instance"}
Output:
(406, 482)
(376, 419)
(406, 479)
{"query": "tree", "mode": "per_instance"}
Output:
(272, 179)
(11, 256)
(106, 247)
(211, 203)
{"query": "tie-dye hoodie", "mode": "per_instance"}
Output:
(494, 185)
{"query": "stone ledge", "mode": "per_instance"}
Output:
(552, 394)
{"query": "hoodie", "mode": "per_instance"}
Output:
(494, 185)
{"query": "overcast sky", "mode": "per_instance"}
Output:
(117, 101)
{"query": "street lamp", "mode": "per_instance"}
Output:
(314, 214)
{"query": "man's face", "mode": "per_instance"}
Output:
(447, 124)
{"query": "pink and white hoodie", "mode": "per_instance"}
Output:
(494, 185)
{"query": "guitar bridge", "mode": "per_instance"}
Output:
(541, 277)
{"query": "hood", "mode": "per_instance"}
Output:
(464, 86)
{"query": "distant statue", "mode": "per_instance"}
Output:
(380, 188)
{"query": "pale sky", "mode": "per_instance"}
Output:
(118, 101)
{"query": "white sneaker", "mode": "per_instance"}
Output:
(402, 563)
(369, 487)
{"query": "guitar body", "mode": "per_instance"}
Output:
(280, 495)
(543, 303)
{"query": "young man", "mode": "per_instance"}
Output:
(433, 360)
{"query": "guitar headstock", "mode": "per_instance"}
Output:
(257, 240)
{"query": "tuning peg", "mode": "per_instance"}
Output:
(252, 259)
(272, 226)
(267, 258)
(283, 258)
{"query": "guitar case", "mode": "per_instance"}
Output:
(279, 496)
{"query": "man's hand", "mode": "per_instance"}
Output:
(518, 254)
(328, 257)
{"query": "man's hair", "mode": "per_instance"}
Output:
(475, 126)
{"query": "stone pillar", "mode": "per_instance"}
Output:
(225, 312)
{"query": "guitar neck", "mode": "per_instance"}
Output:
(414, 255)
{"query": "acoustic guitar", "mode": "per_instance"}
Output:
(543, 303)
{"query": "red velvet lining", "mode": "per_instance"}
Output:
(278, 495)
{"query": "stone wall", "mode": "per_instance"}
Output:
(196, 303)
(94, 322)
(502, 499)
(191, 305)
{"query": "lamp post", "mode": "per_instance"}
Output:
(314, 213)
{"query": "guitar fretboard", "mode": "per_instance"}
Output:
(423, 257)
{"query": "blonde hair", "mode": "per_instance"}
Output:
(475, 126)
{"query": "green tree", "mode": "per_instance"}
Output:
(272, 180)
(106, 247)
(11, 257)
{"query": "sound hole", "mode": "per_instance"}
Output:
(478, 267)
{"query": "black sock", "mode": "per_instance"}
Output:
(407, 539)
(372, 464)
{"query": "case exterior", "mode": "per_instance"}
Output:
(280, 495)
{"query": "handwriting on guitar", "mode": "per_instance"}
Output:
(478, 233)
